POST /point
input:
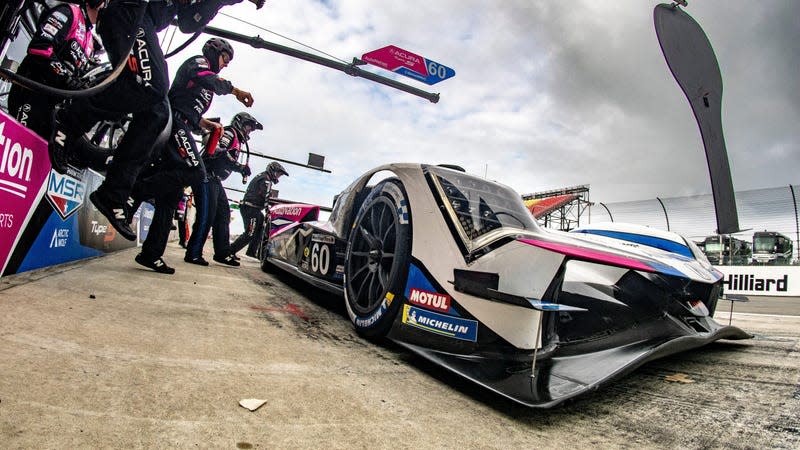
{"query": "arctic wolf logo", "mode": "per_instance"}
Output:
(65, 193)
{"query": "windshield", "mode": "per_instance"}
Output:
(482, 209)
(764, 244)
(713, 247)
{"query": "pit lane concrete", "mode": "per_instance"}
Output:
(103, 353)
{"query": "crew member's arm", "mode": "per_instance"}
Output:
(194, 15)
(53, 29)
(204, 76)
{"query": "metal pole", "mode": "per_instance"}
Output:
(796, 222)
(665, 212)
(607, 210)
(289, 162)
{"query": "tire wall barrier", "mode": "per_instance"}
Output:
(46, 218)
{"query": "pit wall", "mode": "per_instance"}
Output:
(46, 218)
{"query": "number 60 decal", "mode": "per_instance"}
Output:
(320, 258)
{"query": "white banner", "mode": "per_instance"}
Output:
(761, 280)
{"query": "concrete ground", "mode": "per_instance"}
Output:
(106, 354)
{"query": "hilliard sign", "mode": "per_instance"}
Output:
(761, 280)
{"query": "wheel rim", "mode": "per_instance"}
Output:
(372, 264)
(105, 136)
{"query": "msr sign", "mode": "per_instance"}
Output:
(65, 193)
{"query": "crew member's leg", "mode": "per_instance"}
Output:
(253, 220)
(140, 89)
(205, 206)
(253, 248)
(221, 224)
(158, 235)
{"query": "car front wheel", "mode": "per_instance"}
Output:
(376, 264)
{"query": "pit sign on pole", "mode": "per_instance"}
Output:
(408, 64)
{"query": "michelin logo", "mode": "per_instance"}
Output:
(454, 327)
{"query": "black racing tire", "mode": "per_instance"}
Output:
(377, 259)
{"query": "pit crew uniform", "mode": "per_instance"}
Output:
(179, 163)
(141, 90)
(252, 210)
(211, 202)
(61, 51)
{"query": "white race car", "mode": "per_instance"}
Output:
(454, 268)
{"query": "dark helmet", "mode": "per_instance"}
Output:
(215, 47)
(275, 170)
(241, 120)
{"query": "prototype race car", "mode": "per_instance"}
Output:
(454, 268)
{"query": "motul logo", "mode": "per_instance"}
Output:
(432, 300)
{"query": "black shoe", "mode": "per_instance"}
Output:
(228, 260)
(57, 146)
(158, 265)
(115, 215)
(131, 206)
(235, 258)
(199, 260)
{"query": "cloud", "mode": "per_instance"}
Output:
(546, 94)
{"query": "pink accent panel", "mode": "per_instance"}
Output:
(294, 211)
(591, 255)
(276, 231)
(46, 53)
(85, 38)
(392, 58)
(205, 73)
(24, 168)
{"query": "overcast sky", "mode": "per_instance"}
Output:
(547, 94)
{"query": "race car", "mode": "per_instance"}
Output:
(455, 268)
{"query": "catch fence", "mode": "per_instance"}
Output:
(769, 209)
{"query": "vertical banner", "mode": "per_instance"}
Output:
(24, 168)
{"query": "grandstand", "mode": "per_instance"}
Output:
(559, 208)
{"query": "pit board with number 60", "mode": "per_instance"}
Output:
(408, 64)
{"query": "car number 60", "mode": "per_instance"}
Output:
(320, 258)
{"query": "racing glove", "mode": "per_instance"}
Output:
(246, 172)
(66, 73)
